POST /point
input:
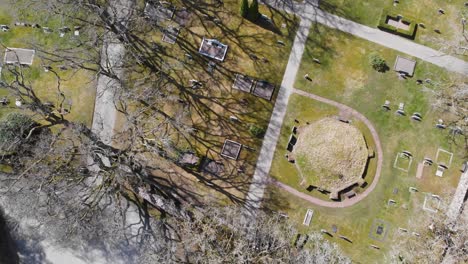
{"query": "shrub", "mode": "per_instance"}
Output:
(378, 63)
(253, 13)
(13, 130)
(244, 8)
(410, 33)
(256, 131)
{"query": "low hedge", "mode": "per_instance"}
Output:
(410, 34)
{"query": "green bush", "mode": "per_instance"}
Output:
(244, 8)
(378, 63)
(410, 33)
(13, 130)
(256, 131)
(253, 14)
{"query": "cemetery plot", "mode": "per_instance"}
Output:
(404, 66)
(261, 88)
(264, 90)
(19, 56)
(431, 203)
(170, 35)
(182, 17)
(231, 149)
(401, 109)
(444, 157)
(403, 161)
(420, 170)
(243, 83)
(159, 11)
(214, 49)
(308, 217)
(188, 159)
(397, 24)
(212, 167)
(379, 230)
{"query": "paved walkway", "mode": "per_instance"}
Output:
(310, 10)
(390, 41)
(378, 149)
(260, 178)
(458, 199)
(112, 57)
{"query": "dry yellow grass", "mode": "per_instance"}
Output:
(330, 154)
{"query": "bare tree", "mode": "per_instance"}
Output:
(451, 98)
(76, 205)
(223, 235)
(437, 241)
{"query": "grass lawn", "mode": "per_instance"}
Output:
(77, 86)
(346, 76)
(253, 51)
(368, 12)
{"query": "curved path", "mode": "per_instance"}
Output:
(378, 149)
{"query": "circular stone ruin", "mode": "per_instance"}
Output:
(330, 154)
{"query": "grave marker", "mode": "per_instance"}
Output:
(308, 217)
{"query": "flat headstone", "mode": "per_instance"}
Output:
(334, 228)
(308, 217)
(379, 230)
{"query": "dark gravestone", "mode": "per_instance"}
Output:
(379, 230)
(334, 228)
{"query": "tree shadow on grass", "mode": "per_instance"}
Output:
(266, 23)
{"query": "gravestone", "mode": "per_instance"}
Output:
(334, 228)
(379, 230)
